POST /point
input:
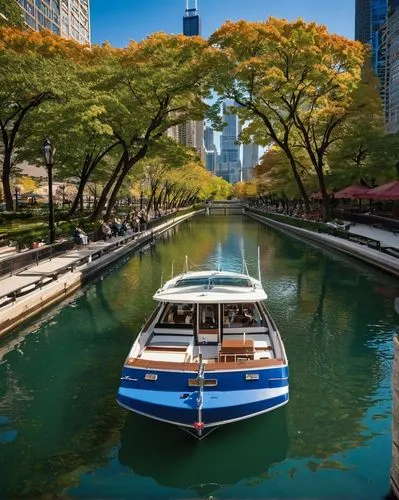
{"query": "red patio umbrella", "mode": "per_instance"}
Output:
(351, 192)
(388, 191)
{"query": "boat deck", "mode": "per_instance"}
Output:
(182, 348)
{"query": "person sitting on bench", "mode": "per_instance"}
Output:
(79, 237)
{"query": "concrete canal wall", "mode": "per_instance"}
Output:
(381, 261)
(395, 423)
(38, 300)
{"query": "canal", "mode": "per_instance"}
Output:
(61, 432)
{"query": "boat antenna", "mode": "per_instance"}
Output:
(186, 270)
(161, 280)
(173, 262)
(244, 264)
(259, 263)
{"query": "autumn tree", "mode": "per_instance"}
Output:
(361, 142)
(152, 173)
(11, 14)
(156, 84)
(83, 139)
(34, 68)
(294, 81)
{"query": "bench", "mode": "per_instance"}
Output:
(394, 252)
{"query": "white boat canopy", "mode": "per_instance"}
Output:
(211, 287)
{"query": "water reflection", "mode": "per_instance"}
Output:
(59, 419)
(230, 454)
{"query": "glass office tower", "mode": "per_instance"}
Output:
(369, 28)
(230, 163)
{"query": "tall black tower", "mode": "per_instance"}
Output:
(191, 20)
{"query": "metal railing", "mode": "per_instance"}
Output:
(22, 260)
(321, 227)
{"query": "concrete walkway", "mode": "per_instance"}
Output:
(33, 289)
(372, 256)
(385, 236)
(45, 271)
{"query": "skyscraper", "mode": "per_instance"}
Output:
(230, 164)
(370, 21)
(211, 154)
(250, 158)
(209, 138)
(191, 21)
(68, 18)
(75, 20)
(392, 74)
(190, 133)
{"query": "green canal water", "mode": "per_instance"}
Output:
(62, 434)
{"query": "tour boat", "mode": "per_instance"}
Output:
(209, 355)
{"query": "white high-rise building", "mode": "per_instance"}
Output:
(68, 18)
(75, 20)
(250, 158)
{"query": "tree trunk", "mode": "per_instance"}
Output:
(128, 164)
(323, 190)
(298, 180)
(79, 194)
(81, 204)
(114, 194)
(97, 212)
(6, 181)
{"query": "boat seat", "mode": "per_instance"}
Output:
(170, 348)
(171, 340)
(165, 355)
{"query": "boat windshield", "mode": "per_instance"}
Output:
(214, 281)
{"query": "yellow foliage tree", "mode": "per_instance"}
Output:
(294, 81)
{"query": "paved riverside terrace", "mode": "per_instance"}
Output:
(385, 236)
(372, 255)
(32, 289)
(33, 277)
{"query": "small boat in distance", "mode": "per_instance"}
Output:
(210, 354)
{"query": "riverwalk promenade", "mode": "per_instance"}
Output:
(32, 289)
(376, 246)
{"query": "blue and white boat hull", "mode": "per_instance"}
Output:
(234, 397)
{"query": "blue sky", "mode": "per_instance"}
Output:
(119, 21)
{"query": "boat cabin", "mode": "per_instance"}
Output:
(225, 321)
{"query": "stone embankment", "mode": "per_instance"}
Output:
(52, 281)
(381, 261)
(395, 423)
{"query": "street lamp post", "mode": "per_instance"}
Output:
(48, 152)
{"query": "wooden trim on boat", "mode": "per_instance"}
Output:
(165, 365)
